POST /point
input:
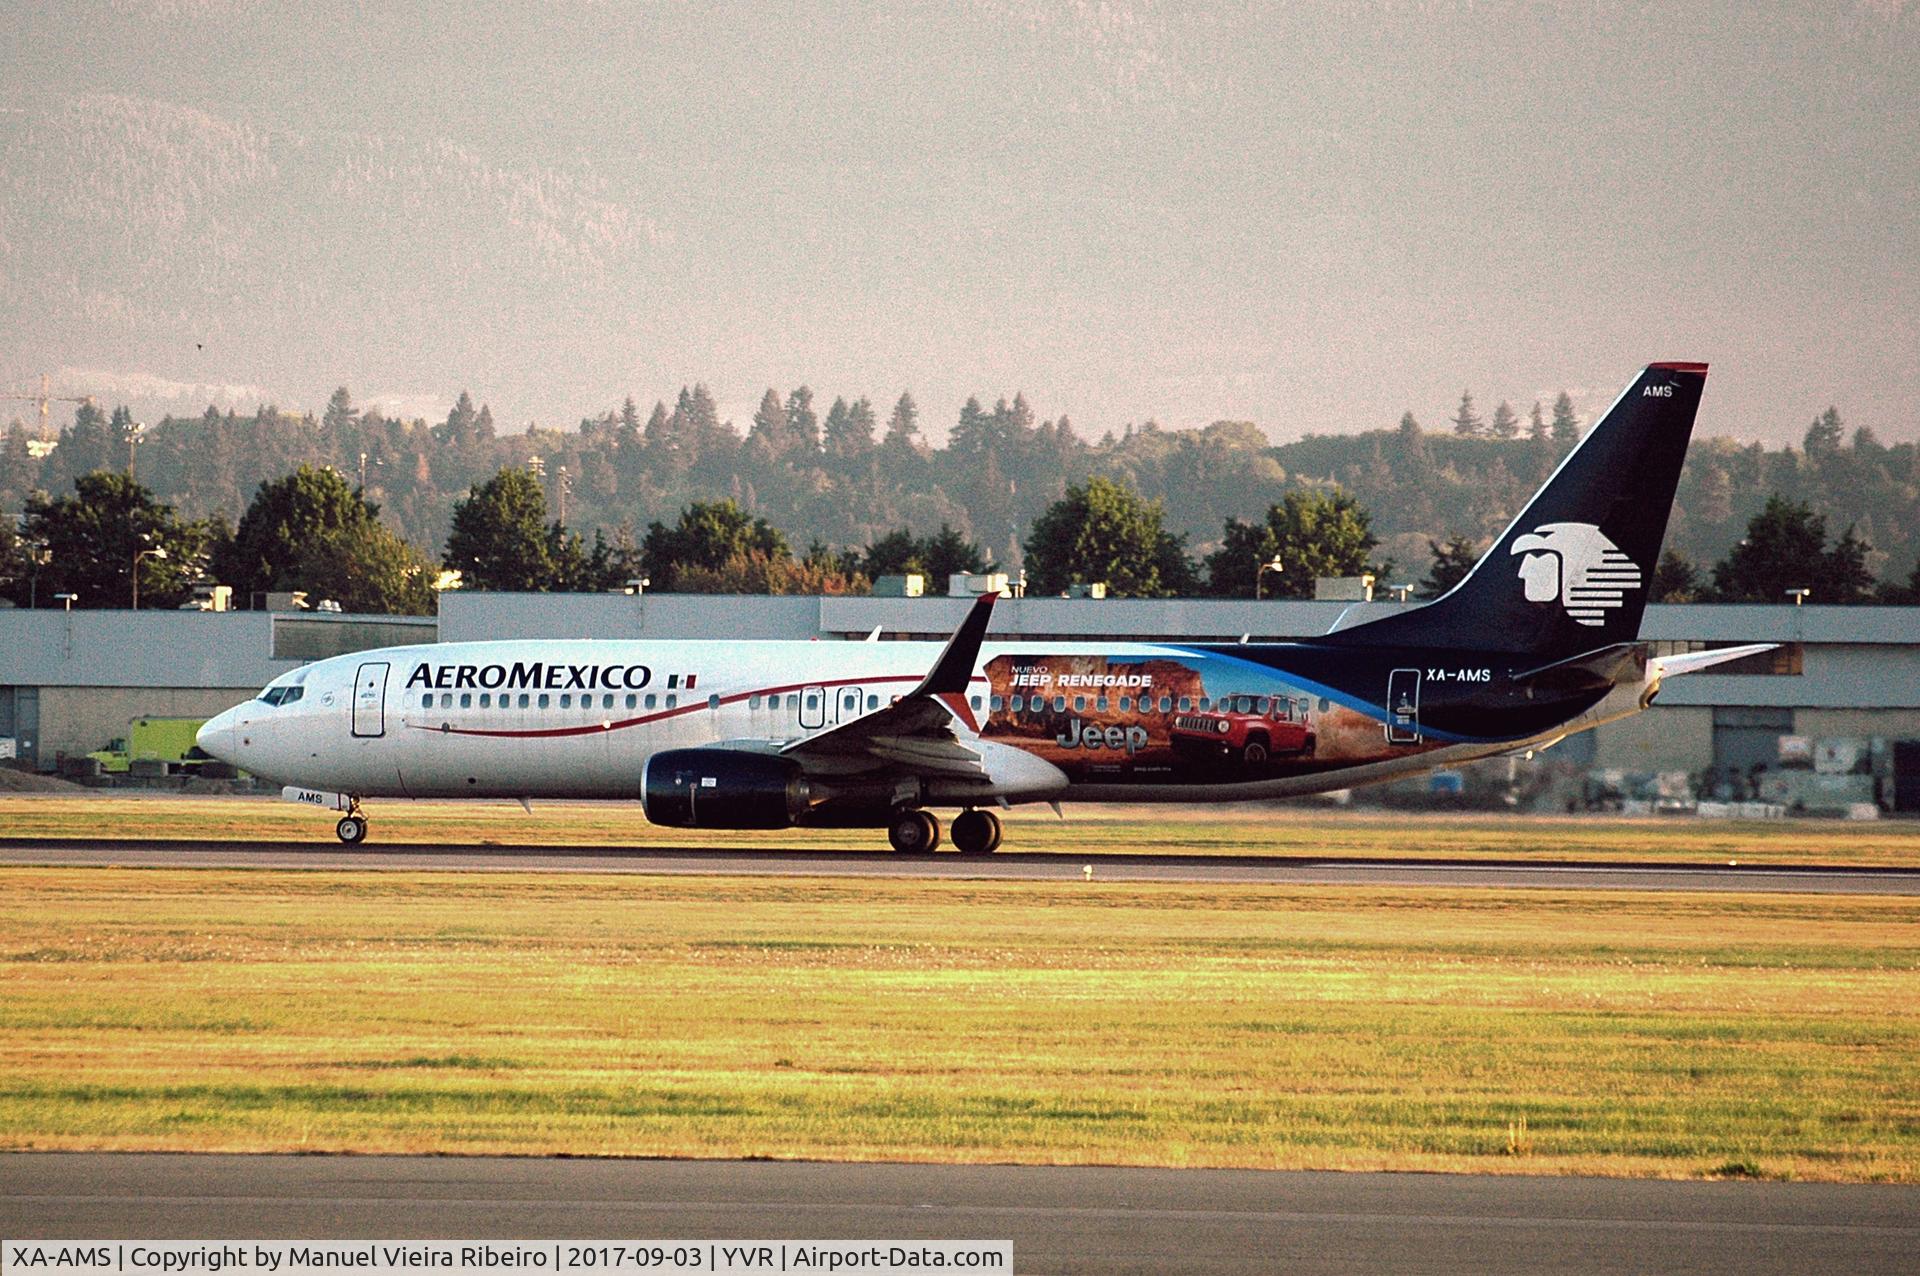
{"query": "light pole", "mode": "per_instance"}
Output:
(68, 599)
(157, 552)
(39, 554)
(1798, 595)
(134, 431)
(1260, 573)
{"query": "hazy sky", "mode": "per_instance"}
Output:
(1310, 216)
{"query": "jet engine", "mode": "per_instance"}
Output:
(723, 789)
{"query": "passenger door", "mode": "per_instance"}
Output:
(370, 700)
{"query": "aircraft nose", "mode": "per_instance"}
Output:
(216, 736)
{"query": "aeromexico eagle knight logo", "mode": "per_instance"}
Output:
(1574, 564)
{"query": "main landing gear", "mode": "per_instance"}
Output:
(352, 828)
(976, 832)
(918, 832)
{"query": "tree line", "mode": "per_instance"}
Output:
(571, 510)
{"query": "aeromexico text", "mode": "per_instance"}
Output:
(533, 675)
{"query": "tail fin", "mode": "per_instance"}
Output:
(1571, 574)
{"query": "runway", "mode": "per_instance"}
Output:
(1004, 866)
(1068, 1220)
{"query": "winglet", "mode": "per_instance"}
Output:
(954, 670)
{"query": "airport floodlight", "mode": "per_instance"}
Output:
(1798, 595)
(158, 551)
(1260, 573)
(68, 599)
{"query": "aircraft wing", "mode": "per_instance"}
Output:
(931, 729)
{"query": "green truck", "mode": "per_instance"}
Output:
(157, 746)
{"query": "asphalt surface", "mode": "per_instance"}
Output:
(1074, 1219)
(1008, 866)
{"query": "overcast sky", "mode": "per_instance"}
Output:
(1310, 216)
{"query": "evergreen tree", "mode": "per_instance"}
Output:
(1675, 580)
(499, 538)
(1312, 533)
(708, 536)
(768, 433)
(340, 416)
(287, 517)
(1566, 424)
(1824, 435)
(1451, 563)
(903, 426)
(1537, 424)
(1847, 578)
(366, 568)
(1785, 548)
(1466, 422)
(1103, 531)
(1505, 424)
(91, 539)
(803, 427)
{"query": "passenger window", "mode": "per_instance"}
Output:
(1166, 704)
(976, 703)
(1018, 703)
(999, 703)
(873, 702)
(1325, 706)
(753, 702)
(545, 699)
(1186, 704)
(523, 699)
(1126, 704)
(566, 700)
(486, 701)
(713, 702)
(1059, 704)
(672, 700)
(1101, 704)
(1206, 704)
(632, 700)
(606, 702)
(652, 700)
(426, 701)
(466, 699)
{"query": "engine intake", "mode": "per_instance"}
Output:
(723, 789)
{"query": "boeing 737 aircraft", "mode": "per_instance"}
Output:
(1538, 641)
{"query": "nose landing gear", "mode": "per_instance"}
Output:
(352, 828)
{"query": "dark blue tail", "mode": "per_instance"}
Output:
(1571, 574)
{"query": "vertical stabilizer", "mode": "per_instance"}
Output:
(1572, 572)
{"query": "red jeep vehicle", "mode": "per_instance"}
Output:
(1249, 729)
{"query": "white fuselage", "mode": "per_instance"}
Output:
(579, 718)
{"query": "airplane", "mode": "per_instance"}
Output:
(1539, 640)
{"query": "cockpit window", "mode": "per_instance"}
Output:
(282, 695)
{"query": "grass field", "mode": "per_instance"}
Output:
(1615, 1033)
(1235, 830)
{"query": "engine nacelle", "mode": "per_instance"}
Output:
(723, 789)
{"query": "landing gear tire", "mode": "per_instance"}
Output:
(352, 829)
(914, 833)
(976, 832)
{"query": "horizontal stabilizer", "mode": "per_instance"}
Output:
(1695, 661)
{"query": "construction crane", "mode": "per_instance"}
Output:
(44, 398)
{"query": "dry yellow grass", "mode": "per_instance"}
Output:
(1309, 830)
(1613, 1033)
